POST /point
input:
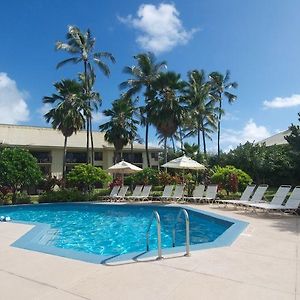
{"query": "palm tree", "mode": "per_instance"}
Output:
(202, 118)
(220, 88)
(67, 115)
(81, 47)
(143, 75)
(122, 127)
(168, 107)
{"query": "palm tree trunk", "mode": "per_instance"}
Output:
(198, 137)
(219, 127)
(87, 117)
(181, 139)
(146, 144)
(131, 151)
(173, 144)
(203, 138)
(87, 139)
(64, 162)
(92, 142)
(165, 151)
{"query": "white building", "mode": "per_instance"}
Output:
(46, 144)
(276, 139)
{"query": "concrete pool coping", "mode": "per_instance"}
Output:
(32, 239)
(262, 263)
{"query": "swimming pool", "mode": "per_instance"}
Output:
(108, 230)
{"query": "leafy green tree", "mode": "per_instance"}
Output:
(122, 126)
(272, 165)
(82, 48)
(18, 169)
(294, 142)
(85, 177)
(221, 85)
(67, 113)
(143, 76)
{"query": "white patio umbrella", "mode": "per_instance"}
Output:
(123, 167)
(185, 163)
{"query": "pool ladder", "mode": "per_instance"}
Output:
(155, 215)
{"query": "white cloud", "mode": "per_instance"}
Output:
(160, 28)
(44, 109)
(99, 117)
(251, 132)
(280, 102)
(230, 117)
(13, 107)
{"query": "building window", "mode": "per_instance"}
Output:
(76, 157)
(43, 157)
(154, 155)
(136, 157)
(46, 170)
(98, 155)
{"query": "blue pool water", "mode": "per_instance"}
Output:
(115, 229)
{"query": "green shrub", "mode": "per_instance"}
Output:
(8, 199)
(66, 195)
(226, 176)
(144, 177)
(85, 177)
(18, 169)
(100, 193)
(23, 198)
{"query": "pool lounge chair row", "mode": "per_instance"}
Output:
(118, 193)
(252, 199)
(170, 193)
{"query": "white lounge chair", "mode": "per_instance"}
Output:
(277, 199)
(197, 193)
(257, 196)
(167, 193)
(121, 195)
(114, 192)
(291, 205)
(136, 192)
(246, 195)
(210, 193)
(178, 192)
(145, 192)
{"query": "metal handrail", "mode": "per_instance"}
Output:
(187, 230)
(158, 226)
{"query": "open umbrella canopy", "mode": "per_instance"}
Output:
(124, 167)
(184, 162)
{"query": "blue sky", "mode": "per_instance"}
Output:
(258, 41)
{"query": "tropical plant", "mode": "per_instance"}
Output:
(81, 46)
(19, 169)
(144, 177)
(143, 76)
(229, 178)
(84, 177)
(122, 126)
(202, 110)
(220, 88)
(67, 113)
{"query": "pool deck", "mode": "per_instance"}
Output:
(263, 263)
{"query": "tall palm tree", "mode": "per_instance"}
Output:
(67, 115)
(81, 46)
(221, 85)
(143, 75)
(168, 107)
(122, 126)
(202, 118)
